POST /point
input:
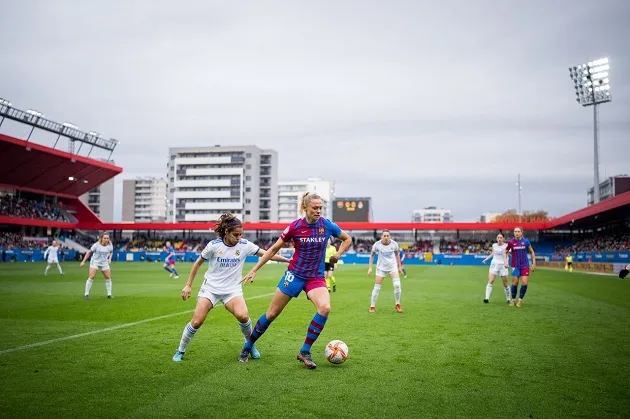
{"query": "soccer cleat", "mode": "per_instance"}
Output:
(176, 276)
(254, 353)
(244, 355)
(334, 288)
(508, 301)
(398, 308)
(520, 303)
(178, 357)
(305, 357)
(372, 309)
(486, 301)
(111, 297)
(87, 297)
(511, 302)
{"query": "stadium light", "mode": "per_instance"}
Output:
(592, 88)
(520, 188)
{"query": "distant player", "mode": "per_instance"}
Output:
(329, 268)
(402, 255)
(169, 261)
(101, 253)
(388, 264)
(51, 255)
(624, 272)
(520, 247)
(568, 266)
(497, 267)
(309, 236)
(222, 281)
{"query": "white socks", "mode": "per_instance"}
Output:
(397, 290)
(189, 333)
(375, 291)
(108, 286)
(59, 269)
(246, 328)
(47, 268)
(488, 291)
(88, 285)
(507, 293)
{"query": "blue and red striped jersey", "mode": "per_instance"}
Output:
(310, 241)
(519, 252)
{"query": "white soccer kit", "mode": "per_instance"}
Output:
(386, 263)
(497, 266)
(51, 254)
(100, 256)
(222, 280)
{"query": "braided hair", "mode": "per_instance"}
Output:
(227, 222)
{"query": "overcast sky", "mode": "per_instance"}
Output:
(412, 103)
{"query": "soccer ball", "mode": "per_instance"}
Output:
(336, 352)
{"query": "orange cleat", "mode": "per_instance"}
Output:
(372, 309)
(398, 308)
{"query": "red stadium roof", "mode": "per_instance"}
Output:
(344, 225)
(36, 168)
(610, 210)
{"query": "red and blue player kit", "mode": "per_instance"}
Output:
(306, 269)
(520, 261)
(170, 259)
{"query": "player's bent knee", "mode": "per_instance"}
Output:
(324, 309)
(242, 317)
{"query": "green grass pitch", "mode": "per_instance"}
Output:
(565, 353)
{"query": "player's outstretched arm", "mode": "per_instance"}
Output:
(271, 252)
(275, 258)
(186, 291)
(86, 257)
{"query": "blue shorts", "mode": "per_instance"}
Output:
(524, 271)
(292, 285)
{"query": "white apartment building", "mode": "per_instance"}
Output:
(205, 182)
(432, 215)
(144, 200)
(290, 193)
(101, 200)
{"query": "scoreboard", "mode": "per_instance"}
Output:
(351, 209)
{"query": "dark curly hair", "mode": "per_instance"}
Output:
(226, 223)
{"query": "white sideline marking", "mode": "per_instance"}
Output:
(107, 329)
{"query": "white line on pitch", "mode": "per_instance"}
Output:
(107, 329)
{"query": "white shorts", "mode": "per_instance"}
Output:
(53, 260)
(498, 269)
(214, 297)
(384, 274)
(100, 267)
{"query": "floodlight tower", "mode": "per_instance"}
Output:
(592, 88)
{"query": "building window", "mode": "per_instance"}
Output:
(248, 189)
(248, 166)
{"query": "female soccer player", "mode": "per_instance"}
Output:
(102, 252)
(51, 255)
(519, 247)
(388, 264)
(329, 268)
(226, 256)
(497, 267)
(169, 261)
(306, 273)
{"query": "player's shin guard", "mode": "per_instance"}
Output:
(397, 289)
(246, 328)
(514, 287)
(261, 326)
(375, 291)
(187, 335)
(507, 293)
(88, 286)
(59, 269)
(174, 271)
(523, 291)
(46, 271)
(108, 286)
(314, 329)
(488, 291)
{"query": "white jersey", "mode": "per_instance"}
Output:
(386, 256)
(51, 252)
(498, 254)
(225, 270)
(100, 253)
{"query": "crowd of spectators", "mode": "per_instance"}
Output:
(143, 243)
(465, 246)
(10, 241)
(597, 244)
(13, 206)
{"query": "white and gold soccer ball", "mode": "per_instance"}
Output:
(336, 352)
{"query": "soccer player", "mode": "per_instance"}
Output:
(388, 264)
(101, 253)
(305, 273)
(402, 256)
(497, 267)
(330, 267)
(222, 281)
(624, 272)
(569, 263)
(169, 261)
(519, 247)
(51, 255)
